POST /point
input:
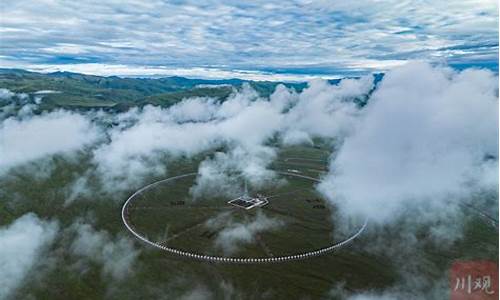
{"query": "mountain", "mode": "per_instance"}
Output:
(80, 91)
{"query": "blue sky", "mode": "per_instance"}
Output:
(251, 39)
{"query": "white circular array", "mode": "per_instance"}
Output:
(238, 260)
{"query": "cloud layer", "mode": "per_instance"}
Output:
(35, 137)
(244, 125)
(23, 244)
(231, 234)
(426, 140)
(426, 136)
(117, 256)
(235, 38)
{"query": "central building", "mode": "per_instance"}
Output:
(247, 202)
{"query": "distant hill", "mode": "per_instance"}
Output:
(89, 91)
(79, 91)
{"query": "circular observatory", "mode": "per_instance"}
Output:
(235, 221)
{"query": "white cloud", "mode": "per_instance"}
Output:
(198, 293)
(194, 110)
(79, 188)
(223, 174)
(135, 151)
(421, 144)
(117, 256)
(233, 234)
(244, 124)
(146, 138)
(264, 39)
(423, 138)
(35, 137)
(325, 110)
(6, 94)
(23, 243)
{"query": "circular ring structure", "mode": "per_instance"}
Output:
(234, 260)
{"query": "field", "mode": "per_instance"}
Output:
(168, 215)
(158, 272)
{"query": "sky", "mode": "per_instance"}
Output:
(281, 40)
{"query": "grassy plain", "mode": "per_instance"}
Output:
(158, 274)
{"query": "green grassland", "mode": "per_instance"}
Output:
(79, 91)
(307, 220)
(160, 274)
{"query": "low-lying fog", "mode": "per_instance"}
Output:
(424, 145)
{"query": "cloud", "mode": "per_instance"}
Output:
(6, 94)
(325, 110)
(116, 255)
(426, 141)
(234, 234)
(184, 129)
(198, 293)
(413, 234)
(35, 137)
(223, 174)
(225, 290)
(264, 39)
(136, 151)
(425, 144)
(244, 125)
(125, 149)
(428, 134)
(23, 243)
(80, 187)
